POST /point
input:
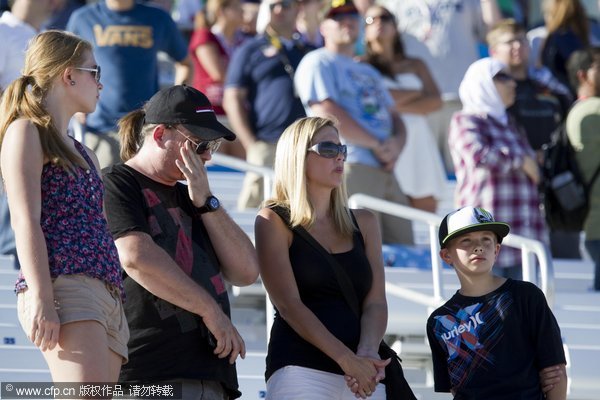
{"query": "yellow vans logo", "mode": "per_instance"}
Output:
(124, 36)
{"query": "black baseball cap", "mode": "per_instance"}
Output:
(470, 219)
(184, 105)
(341, 7)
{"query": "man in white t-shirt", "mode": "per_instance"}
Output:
(445, 34)
(330, 82)
(17, 27)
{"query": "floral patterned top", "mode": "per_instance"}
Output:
(77, 236)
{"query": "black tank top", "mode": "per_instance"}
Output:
(321, 293)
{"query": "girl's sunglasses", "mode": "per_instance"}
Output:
(96, 72)
(329, 150)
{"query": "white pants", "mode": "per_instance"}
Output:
(300, 383)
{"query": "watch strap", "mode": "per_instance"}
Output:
(207, 206)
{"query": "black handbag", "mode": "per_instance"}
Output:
(396, 386)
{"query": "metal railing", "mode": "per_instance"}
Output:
(528, 247)
(268, 175)
(236, 163)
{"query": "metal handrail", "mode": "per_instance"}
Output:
(268, 176)
(237, 163)
(528, 247)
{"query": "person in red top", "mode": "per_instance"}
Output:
(212, 43)
(215, 38)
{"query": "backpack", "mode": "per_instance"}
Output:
(564, 193)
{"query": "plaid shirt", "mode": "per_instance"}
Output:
(487, 157)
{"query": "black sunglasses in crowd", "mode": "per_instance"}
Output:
(503, 77)
(285, 4)
(382, 18)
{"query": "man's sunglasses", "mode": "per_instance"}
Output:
(96, 72)
(285, 4)
(382, 18)
(503, 77)
(202, 147)
(329, 149)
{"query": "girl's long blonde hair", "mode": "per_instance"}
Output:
(48, 55)
(290, 177)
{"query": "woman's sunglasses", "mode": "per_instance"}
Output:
(329, 150)
(202, 147)
(96, 72)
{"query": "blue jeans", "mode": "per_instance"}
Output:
(593, 248)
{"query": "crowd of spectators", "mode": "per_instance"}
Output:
(407, 94)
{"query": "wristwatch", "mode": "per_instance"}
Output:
(211, 204)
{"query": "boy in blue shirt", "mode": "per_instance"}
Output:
(495, 337)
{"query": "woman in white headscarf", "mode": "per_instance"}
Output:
(494, 163)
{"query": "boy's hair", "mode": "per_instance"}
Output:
(470, 219)
(581, 60)
(507, 25)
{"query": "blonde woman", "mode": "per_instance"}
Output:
(69, 289)
(316, 339)
(216, 35)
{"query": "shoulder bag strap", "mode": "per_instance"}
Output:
(565, 138)
(589, 185)
(341, 275)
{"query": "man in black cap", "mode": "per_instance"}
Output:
(177, 245)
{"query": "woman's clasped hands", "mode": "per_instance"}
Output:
(364, 372)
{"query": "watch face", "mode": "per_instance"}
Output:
(213, 203)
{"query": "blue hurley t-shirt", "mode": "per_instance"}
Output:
(126, 44)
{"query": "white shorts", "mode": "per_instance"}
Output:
(300, 383)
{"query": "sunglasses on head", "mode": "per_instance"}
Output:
(329, 150)
(503, 77)
(381, 18)
(201, 147)
(285, 4)
(96, 72)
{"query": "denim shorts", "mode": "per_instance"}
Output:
(82, 298)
